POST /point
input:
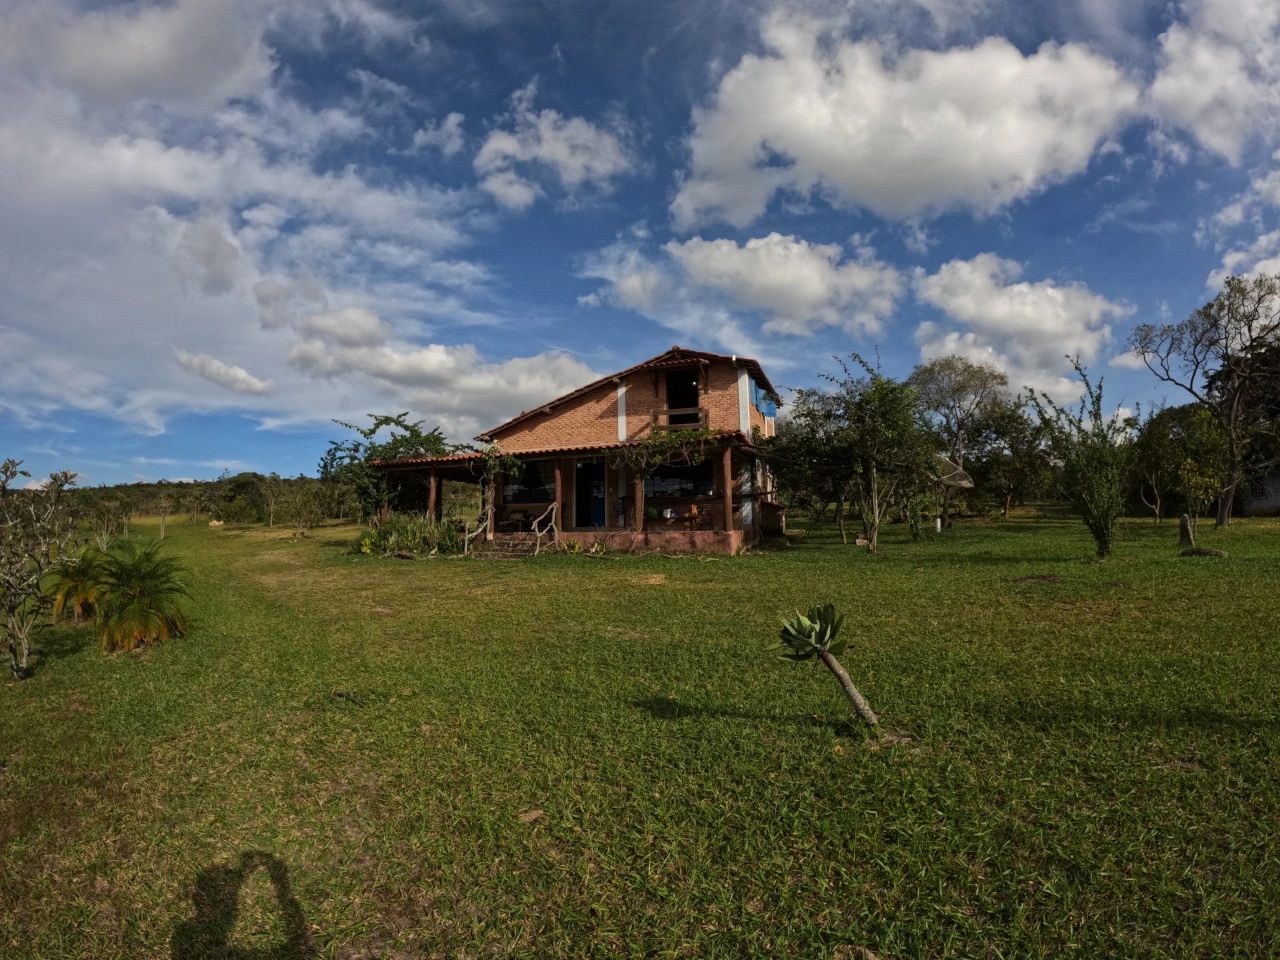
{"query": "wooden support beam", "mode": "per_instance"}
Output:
(637, 485)
(559, 498)
(726, 484)
(433, 496)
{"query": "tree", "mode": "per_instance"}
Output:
(1012, 461)
(807, 458)
(301, 506)
(1157, 458)
(105, 521)
(884, 433)
(1220, 355)
(351, 461)
(272, 491)
(1203, 462)
(76, 584)
(962, 397)
(163, 504)
(1096, 451)
(36, 526)
(817, 635)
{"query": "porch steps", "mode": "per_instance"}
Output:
(508, 547)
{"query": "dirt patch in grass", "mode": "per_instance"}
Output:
(1034, 578)
(651, 580)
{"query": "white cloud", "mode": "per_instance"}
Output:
(1127, 361)
(800, 285)
(448, 137)
(224, 375)
(350, 326)
(1259, 257)
(903, 135)
(1219, 74)
(192, 51)
(466, 392)
(578, 153)
(1026, 329)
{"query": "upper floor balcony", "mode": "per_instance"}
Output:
(680, 418)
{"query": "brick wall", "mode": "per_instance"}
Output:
(593, 417)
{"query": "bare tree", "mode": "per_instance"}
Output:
(272, 491)
(1218, 356)
(36, 525)
(163, 505)
(962, 396)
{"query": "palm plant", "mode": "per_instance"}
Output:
(76, 585)
(817, 636)
(139, 602)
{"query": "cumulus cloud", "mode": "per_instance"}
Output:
(1127, 361)
(574, 151)
(200, 52)
(901, 134)
(1259, 257)
(799, 285)
(467, 392)
(1026, 329)
(350, 326)
(447, 137)
(1219, 74)
(237, 379)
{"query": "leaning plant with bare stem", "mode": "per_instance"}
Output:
(816, 636)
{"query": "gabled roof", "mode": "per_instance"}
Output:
(675, 357)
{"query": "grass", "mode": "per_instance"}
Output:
(1081, 768)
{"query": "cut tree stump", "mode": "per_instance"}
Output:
(1201, 552)
(1185, 539)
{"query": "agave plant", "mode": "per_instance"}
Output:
(817, 636)
(139, 602)
(76, 585)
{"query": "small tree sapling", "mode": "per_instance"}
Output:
(817, 636)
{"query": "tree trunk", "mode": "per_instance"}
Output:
(860, 705)
(1186, 532)
(844, 537)
(871, 509)
(1008, 500)
(162, 526)
(1226, 503)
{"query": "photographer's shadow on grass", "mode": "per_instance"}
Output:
(215, 903)
(669, 708)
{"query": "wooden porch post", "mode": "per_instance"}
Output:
(637, 486)
(559, 499)
(726, 484)
(431, 494)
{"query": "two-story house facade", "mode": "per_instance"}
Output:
(572, 467)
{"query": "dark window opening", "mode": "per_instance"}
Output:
(1258, 489)
(532, 482)
(682, 394)
(687, 481)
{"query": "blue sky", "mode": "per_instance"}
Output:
(225, 222)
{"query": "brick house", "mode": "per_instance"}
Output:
(571, 454)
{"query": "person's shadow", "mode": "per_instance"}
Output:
(215, 903)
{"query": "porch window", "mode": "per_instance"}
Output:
(685, 481)
(534, 481)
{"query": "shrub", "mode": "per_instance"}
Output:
(76, 585)
(140, 595)
(415, 533)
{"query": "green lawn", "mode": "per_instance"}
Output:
(1081, 768)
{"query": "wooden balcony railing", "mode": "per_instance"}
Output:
(687, 418)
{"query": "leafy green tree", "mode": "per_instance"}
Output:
(272, 492)
(301, 506)
(807, 458)
(1204, 462)
(1223, 355)
(1096, 453)
(1157, 457)
(351, 461)
(961, 397)
(1013, 463)
(36, 526)
(887, 439)
(140, 598)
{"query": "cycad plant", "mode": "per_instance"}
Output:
(817, 635)
(140, 599)
(76, 585)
